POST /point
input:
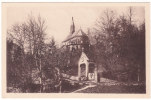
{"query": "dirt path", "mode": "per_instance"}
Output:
(104, 81)
(89, 86)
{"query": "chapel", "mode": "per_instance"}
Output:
(81, 60)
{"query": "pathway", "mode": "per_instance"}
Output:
(103, 81)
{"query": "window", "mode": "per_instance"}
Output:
(73, 49)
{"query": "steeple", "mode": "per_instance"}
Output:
(72, 27)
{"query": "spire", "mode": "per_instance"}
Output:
(72, 19)
(72, 27)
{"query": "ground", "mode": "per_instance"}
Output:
(113, 89)
(111, 86)
(104, 86)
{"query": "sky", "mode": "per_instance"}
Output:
(59, 18)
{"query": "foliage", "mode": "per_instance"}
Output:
(29, 58)
(120, 45)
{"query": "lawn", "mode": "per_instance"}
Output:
(115, 89)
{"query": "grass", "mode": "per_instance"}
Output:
(116, 89)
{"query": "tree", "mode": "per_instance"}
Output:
(107, 38)
(130, 15)
(30, 36)
(35, 37)
(15, 68)
(17, 36)
(118, 46)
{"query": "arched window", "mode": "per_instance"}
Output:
(83, 69)
(73, 49)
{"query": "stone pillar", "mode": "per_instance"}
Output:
(95, 75)
(79, 71)
(87, 69)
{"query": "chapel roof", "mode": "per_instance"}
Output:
(78, 33)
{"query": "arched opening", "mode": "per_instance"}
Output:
(83, 71)
(91, 68)
(91, 74)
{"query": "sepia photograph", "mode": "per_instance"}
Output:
(78, 48)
